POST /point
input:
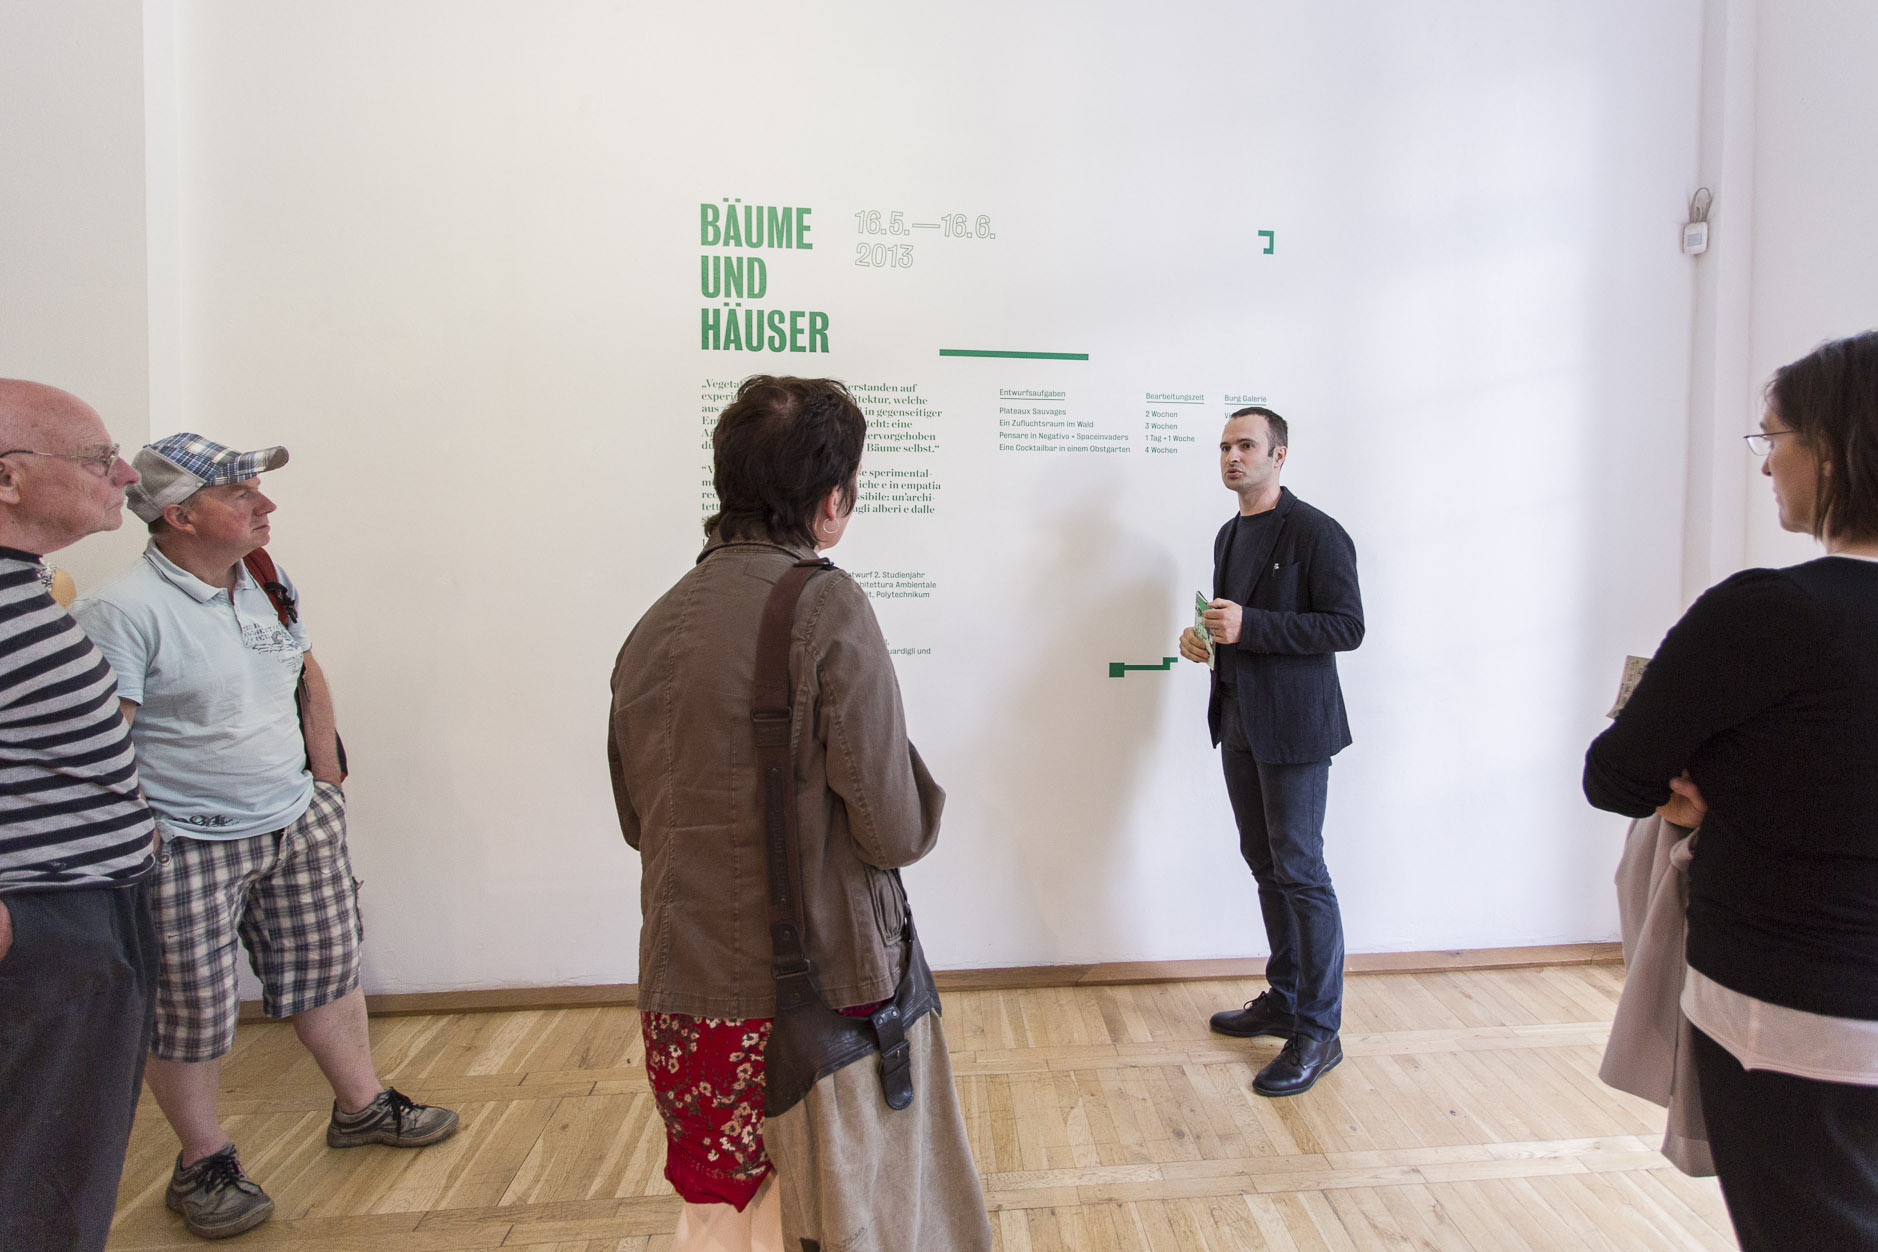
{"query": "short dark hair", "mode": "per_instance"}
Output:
(1276, 424)
(780, 447)
(1830, 396)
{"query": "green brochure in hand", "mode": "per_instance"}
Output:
(1200, 607)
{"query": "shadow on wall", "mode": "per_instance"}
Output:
(1062, 764)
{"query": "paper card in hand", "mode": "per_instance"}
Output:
(1633, 670)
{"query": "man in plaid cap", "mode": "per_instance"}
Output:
(233, 724)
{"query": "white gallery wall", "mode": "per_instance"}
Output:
(72, 239)
(1815, 259)
(448, 253)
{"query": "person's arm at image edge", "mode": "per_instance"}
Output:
(892, 801)
(616, 771)
(1729, 658)
(322, 727)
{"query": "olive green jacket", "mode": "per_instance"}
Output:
(682, 752)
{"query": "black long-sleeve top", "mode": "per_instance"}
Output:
(1767, 693)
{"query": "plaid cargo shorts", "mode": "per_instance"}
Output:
(288, 894)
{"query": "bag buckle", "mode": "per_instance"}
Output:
(896, 1057)
(790, 967)
(772, 727)
(794, 989)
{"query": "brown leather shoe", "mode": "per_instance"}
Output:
(1259, 1017)
(1300, 1063)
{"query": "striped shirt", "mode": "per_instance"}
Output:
(71, 814)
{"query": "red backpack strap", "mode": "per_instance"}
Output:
(261, 565)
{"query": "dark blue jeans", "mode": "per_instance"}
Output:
(77, 991)
(1280, 813)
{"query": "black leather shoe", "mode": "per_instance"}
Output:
(1259, 1017)
(1300, 1063)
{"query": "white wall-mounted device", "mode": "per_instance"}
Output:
(1695, 230)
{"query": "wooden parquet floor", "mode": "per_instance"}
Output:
(1467, 1115)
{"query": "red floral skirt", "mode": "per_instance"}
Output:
(707, 1077)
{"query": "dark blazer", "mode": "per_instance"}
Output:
(1302, 609)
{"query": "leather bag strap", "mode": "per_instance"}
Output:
(772, 715)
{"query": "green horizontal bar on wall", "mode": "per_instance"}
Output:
(1022, 356)
(1118, 669)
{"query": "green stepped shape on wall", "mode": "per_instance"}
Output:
(1118, 669)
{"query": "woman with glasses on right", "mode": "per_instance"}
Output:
(1757, 722)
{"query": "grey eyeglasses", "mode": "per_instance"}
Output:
(102, 460)
(1763, 443)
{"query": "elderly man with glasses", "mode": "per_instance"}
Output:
(77, 948)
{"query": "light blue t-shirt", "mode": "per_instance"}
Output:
(217, 735)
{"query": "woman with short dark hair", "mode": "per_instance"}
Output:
(1757, 722)
(782, 448)
(684, 753)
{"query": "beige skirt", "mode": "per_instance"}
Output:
(855, 1176)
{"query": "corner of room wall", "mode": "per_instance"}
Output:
(72, 222)
(163, 211)
(1720, 380)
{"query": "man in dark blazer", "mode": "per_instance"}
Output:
(1285, 603)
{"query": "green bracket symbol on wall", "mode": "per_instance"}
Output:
(1117, 669)
(1271, 240)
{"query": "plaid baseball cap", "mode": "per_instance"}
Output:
(173, 469)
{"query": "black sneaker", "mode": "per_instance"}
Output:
(392, 1118)
(1259, 1017)
(215, 1198)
